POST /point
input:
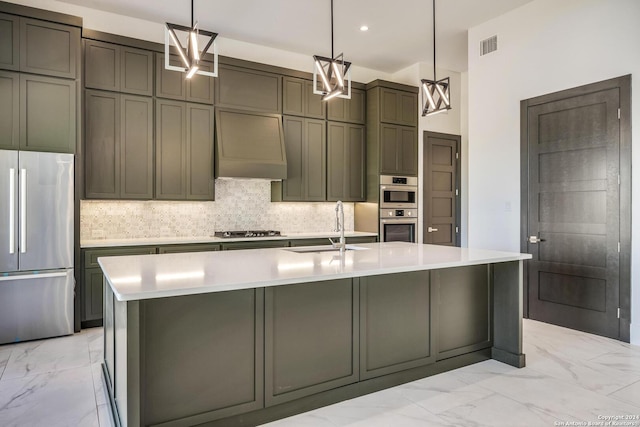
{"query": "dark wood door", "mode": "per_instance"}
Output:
(441, 189)
(574, 211)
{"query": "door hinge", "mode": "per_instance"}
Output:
(457, 230)
(618, 312)
(458, 154)
(618, 114)
(456, 191)
(618, 247)
(618, 179)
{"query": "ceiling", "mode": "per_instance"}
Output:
(400, 32)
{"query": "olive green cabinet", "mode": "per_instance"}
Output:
(9, 110)
(184, 151)
(91, 287)
(398, 150)
(47, 114)
(311, 342)
(49, 48)
(195, 247)
(298, 99)
(348, 110)
(396, 331)
(118, 146)
(9, 42)
(118, 68)
(345, 162)
(263, 244)
(398, 107)
(244, 88)
(174, 84)
(305, 142)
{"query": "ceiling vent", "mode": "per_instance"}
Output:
(488, 45)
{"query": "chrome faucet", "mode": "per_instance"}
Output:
(339, 227)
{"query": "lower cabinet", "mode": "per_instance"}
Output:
(255, 245)
(196, 247)
(396, 323)
(311, 339)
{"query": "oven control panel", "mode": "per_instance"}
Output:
(398, 213)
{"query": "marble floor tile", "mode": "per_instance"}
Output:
(4, 359)
(626, 361)
(629, 394)
(406, 416)
(96, 343)
(314, 418)
(59, 398)
(49, 355)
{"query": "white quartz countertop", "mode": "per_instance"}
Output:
(107, 243)
(155, 276)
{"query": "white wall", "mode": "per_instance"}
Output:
(154, 31)
(543, 47)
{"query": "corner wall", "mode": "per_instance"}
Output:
(543, 47)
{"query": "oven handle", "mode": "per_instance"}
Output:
(404, 220)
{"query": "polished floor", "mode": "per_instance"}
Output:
(570, 377)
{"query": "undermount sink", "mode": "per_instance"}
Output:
(327, 248)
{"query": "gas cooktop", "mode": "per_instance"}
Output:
(246, 233)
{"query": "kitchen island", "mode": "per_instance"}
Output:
(247, 337)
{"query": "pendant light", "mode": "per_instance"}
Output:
(436, 96)
(190, 55)
(334, 72)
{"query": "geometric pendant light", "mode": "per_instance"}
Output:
(334, 73)
(436, 94)
(191, 54)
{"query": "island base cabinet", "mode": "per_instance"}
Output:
(311, 342)
(186, 360)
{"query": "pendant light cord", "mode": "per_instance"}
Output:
(434, 40)
(331, 29)
(191, 13)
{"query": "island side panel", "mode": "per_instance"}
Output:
(507, 313)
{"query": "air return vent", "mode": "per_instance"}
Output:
(488, 45)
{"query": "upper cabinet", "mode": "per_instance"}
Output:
(174, 84)
(9, 42)
(118, 68)
(398, 107)
(348, 110)
(9, 110)
(298, 99)
(345, 162)
(248, 89)
(48, 48)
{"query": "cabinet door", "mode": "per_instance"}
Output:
(170, 84)
(200, 88)
(293, 96)
(48, 48)
(200, 152)
(294, 133)
(47, 114)
(9, 110)
(255, 245)
(408, 151)
(102, 144)
(178, 249)
(92, 294)
(248, 89)
(136, 71)
(310, 344)
(348, 110)
(314, 106)
(136, 147)
(398, 107)
(315, 160)
(396, 323)
(346, 162)
(101, 65)
(9, 42)
(171, 161)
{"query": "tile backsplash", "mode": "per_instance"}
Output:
(240, 205)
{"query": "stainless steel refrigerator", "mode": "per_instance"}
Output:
(36, 238)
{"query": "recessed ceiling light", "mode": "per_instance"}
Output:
(364, 28)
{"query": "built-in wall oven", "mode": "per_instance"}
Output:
(398, 192)
(398, 225)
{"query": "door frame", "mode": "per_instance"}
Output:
(425, 136)
(623, 84)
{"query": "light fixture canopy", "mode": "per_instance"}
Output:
(334, 72)
(190, 54)
(436, 94)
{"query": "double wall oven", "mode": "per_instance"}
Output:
(398, 209)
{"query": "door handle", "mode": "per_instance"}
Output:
(535, 239)
(12, 211)
(431, 229)
(23, 210)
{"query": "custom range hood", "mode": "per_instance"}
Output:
(249, 145)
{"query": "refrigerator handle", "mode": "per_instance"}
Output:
(12, 211)
(23, 210)
(33, 276)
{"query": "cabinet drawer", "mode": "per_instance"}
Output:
(91, 255)
(177, 249)
(255, 245)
